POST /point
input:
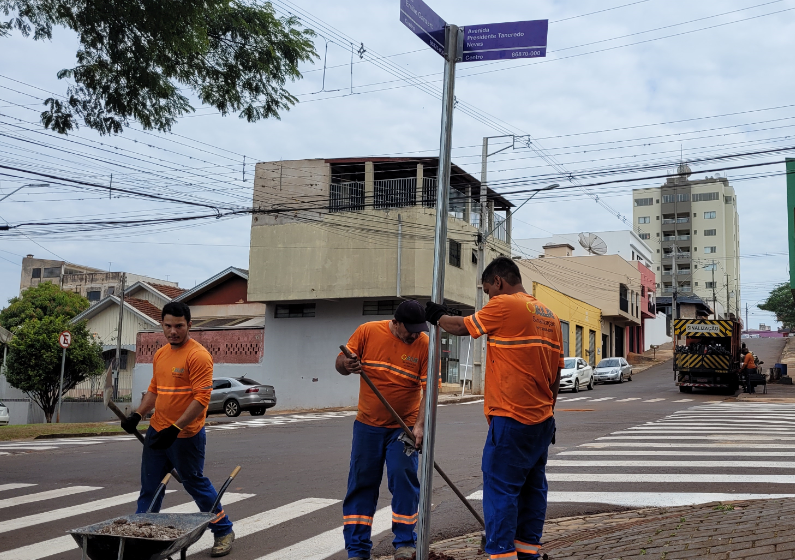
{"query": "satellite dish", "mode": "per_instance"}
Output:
(592, 243)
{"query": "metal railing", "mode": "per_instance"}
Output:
(685, 289)
(683, 272)
(683, 237)
(90, 390)
(394, 193)
(683, 255)
(669, 238)
(429, 186)
(666, 221)
(500, 228)
(346, 196)
(668, 289)
(667, 273)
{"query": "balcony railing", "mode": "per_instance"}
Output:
(394, 193)
(667, 273)
(668, 289)
(346, 196)
(683, 238)
(683, 272)
(669, 238)
(683, 255)
(685, 289)
(500, 228)
(675, 220)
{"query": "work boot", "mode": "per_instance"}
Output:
(405, 553)
(223, 545)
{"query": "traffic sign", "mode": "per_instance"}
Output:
(510, 40)
(424, 23)
(65, 339)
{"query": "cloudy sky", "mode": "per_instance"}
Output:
(626, 83)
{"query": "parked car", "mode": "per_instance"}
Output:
(576, 374)
(4, 416)
(233, 395)
(613, 369)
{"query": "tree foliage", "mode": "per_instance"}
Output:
(781, 302)
(34, 359)
(137, 57)
(38, 302)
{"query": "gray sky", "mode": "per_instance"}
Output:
(643, 63)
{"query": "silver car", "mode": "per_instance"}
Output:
(233, 395)
(4, 415)
(613, 369)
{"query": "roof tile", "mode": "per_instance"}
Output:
(145, 307)
(170, 291)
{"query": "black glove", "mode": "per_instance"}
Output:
(130, 423)
(434, 312)
(164, 438)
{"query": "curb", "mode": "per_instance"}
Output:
(461, 400)
(95, 434)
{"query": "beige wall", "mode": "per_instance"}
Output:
(312, 255)
(105, 324)
(229, 310)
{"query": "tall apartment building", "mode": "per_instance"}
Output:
(694, 229)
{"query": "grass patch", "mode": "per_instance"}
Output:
(724, 507)
(30, 431)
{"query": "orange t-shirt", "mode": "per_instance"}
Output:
(748, 361)
(397, 369)
(180, 377)
(524, 355)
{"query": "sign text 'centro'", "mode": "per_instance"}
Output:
(510, 40)
(703, 328)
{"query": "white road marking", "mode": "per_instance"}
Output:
(681, 453)
(639, 444)
(577, 399)
(631, 399)
(58, 545)
(722, 437)
(14, 486)
(675, 464)
(603, 399)
(470, 402)
(63, 513)
(734, 420)
(329, 543)
(679, 478)
(684, 400)
(46, 495)
(646, 499)
(687, 429)
(27, 448)
(267, 519)
(654, 400)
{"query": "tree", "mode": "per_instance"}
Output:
(38, 302)
(780, 302)
(34, 359)
(136, 58)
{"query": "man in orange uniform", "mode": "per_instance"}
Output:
(748, 367)
(179, 392)
(522, 380)
(394, 355)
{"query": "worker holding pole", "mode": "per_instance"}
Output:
(525, 357)
(394, 355)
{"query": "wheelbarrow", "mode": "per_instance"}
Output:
(100, 546)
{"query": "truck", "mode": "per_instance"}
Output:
(710, 355)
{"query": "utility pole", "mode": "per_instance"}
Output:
(728, 304)
(747, 328)
(714, 297)
(118, 340)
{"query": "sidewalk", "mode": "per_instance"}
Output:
(751, 530)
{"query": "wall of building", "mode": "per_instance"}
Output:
(227, 346)
(142, 293)
(230, 310)
(655, 331)
(577, 314)
(233, 290)
(105, 324)
(625, 243)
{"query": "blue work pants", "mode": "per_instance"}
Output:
(372, 446)
(186, 455)
(515, 487)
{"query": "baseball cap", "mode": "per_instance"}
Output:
(412, 315)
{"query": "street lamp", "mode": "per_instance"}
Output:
(22, 187)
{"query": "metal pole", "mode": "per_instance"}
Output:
(118, 340)
(60, 392)
(399, 247)
(479, 351)
(714, 297)
(728, 304)
(452, 49)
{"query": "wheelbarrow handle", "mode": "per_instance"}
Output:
(161, 488)
(224, 487)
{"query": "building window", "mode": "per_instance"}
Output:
(35, 273)
(710, 249)
(111, 291)
(455, 253)
(712, 266)
(711, 285)
(644, 220)
(709, 232)
(709, 215)
(682, 197)
(645, 236)
(668, 198)
(703, 197)
(94, 295)
(644, 201)
(52, 272)
(728, 199)
(295, 310)
(380, 307)
(474, 257)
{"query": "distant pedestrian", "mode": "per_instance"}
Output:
(394, 355)
(182, 379)
(522, 379)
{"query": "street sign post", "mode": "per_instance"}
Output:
(65, 341)
(514, 40)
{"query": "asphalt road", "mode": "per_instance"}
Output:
(297, 465)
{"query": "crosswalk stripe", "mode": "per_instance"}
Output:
(654, 400)
(646, 499)
(630, 399)
(14, 486)
(58, 545)
(329, 543)
(637, 444)
(63, 513)
(46, 495)
(684, 400)
(680, 453)
(669, 464)
(27, 448)
(688, 428)
(267, 519)
(577, 399)
(673, 477)
(603, 399)
(722, 437)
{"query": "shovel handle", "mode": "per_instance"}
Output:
(160, 488)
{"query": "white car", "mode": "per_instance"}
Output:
(576, 374)
(4, 416)
(613, 369)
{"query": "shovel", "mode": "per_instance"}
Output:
(107, 393)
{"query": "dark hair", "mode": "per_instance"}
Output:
(176, 309)
(503, 267)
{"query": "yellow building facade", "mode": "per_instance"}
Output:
(581, 323)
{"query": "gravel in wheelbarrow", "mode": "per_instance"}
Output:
(144, 529)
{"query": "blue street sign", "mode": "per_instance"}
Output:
(511, 40)
(424, 23)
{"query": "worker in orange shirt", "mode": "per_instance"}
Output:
(748, 367)
(182, 379)
(525, 357)
(394, 355)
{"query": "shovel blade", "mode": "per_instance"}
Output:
(107, 391)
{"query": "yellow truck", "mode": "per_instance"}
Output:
(710, 355)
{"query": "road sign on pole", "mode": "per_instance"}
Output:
(424, 23)
(65, 341)
(511, 40)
